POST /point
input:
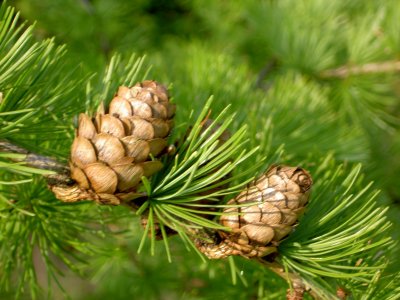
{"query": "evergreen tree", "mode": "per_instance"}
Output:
(301, 83)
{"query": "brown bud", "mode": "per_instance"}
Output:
(341, 293)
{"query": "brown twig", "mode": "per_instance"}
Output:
(371, 68)
(268, 68)
(62, 173)
(34, 160)
(298, 286)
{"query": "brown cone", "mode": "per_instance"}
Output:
(111, 152)
(270, 207)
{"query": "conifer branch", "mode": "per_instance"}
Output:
(342, 240)
(32, 159)
(371, 68)
(267, 68)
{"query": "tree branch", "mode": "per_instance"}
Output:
(371, 68)
(66, 188)
(61, 183)
(34, 160)
(268, 68)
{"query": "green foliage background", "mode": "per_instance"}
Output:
(266, 60)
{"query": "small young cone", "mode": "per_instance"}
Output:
(112, 151)
(266, 212)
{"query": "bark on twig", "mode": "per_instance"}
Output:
(62, 176)
(34, 160)
(371, 68)
(298, 286)
(268, 68)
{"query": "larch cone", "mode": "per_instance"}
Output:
(264, 213)
(112, 151)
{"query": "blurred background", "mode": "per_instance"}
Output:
(268, 59)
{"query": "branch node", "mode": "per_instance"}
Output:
(370, 68)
